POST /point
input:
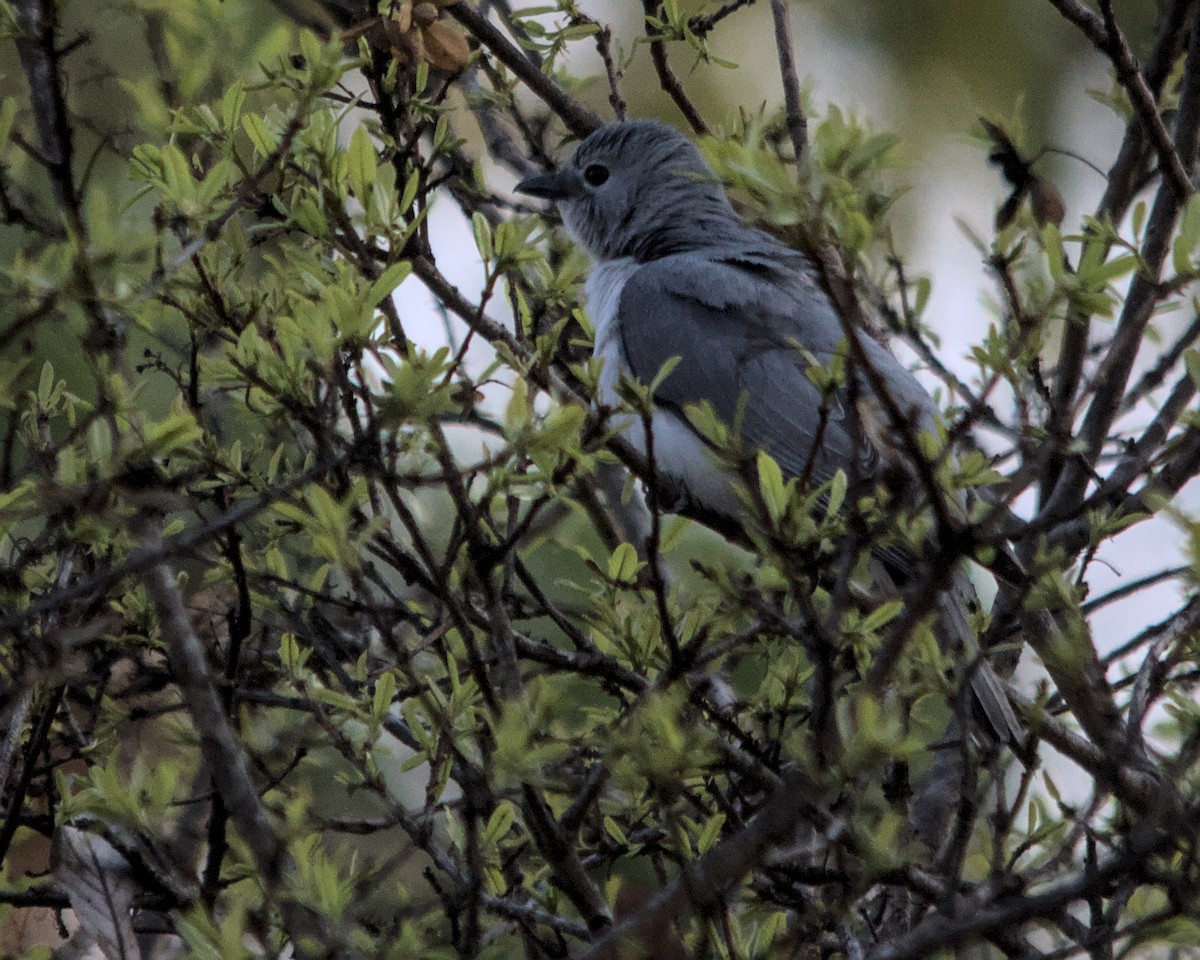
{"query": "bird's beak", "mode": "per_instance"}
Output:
(549, 186)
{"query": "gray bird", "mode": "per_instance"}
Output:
(679, 276)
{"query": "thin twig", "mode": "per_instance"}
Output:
(579, 119)
(701, 26)
(1140, 302)
(1107, 37)
(666, 76)
(797, 120)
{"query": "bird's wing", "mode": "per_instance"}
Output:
(747, 332)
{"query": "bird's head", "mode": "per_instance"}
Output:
(637, 189)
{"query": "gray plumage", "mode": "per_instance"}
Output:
(678, 275)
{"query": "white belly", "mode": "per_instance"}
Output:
(679, 453)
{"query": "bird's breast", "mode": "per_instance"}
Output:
(603, 291)
(680, 455)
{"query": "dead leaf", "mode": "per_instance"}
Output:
(445, 47)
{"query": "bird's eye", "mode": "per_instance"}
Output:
(595, 175)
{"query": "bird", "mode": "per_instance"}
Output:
(736, 320)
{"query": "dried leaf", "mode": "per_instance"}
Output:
(425, 14)
(445, 47)
(1047, 202)
(363, 26)
(402, 18)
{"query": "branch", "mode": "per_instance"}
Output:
(940, 931)
(1107, 37)
(39, 59)
(701, 26)
(219, 745)
(1124, 179)
(578, 118)
(666, 76)
(1114, 371)
(1125, 173)
(704, 882)
(145, 557)
(797, 122)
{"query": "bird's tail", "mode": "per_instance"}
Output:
(996, 723)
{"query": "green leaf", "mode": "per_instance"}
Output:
(1188, 237)
(517, 414)
(175, 432)
(664, 372)
(483, 235)
(1055, 255)
(770, 484)
(385, 692)
(673, 533)
(882, 615)
(361, 165)
(387, 282)
(1191, 360)
(837, 493)
(623, 565)
(500, 822)
(8, 113)
(263, 140)
(710, 834)
(410, 191)
(231, 105)
(580, 31)
(924, 287)
(613, 829)
(1138, 218)
(45, 386)
(1114, 269)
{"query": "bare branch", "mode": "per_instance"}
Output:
(797, 121)
(578, 118)
(1108, 38)
(666, 76)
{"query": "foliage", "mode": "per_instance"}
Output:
(336, 624)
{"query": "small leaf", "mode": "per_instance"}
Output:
(770, 484)
(882, 615)
(8, 113)
(385, 692)
(710, 834)
(45, 384)
(262, 139)
(500, 822)
(664, 372)
(387, 282)
(837, 493)
(1191, 360)
(483, 235)
(623, 565)
(362, 165)
(1138, 218)
(924, 287)
(231, 105)
(445, 47)
(673, 533)
(613, 829)
(410, 191)
(1055, 255)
